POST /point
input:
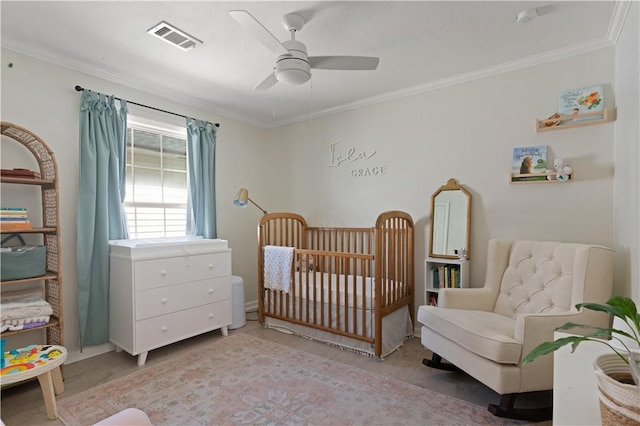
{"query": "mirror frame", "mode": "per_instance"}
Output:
(451, 185)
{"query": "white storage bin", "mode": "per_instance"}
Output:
(238, 317)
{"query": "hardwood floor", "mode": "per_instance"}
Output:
(23, 404)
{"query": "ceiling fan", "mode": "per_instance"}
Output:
(293, 66)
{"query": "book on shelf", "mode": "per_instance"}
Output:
(529, 177)
(20, 173)
(15, 226)
(14, 219)
(446, 276)
(529, 160)
(580, 101)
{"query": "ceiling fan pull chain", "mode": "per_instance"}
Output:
(273, 101)
(311, 100)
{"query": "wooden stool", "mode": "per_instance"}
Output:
(41, 361)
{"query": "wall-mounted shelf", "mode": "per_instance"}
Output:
(542, 125)
(535, 178)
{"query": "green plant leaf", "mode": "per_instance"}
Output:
(628, 312)
(611, 310)
(626, 305)
(548, 347)
(617, 306)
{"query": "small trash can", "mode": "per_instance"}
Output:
(238, 317)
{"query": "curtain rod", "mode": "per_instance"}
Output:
(81, 89)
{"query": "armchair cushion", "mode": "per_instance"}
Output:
(478, 299)
(487, 334)
(538, 278)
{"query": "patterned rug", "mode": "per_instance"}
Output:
(243, 379)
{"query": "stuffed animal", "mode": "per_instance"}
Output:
(562, 168)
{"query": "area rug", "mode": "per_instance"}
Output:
(241, 379)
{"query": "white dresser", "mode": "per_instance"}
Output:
(166, 290)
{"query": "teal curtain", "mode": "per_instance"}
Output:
(201, 157)
(103, 129)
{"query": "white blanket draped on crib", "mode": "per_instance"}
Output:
(277, 267)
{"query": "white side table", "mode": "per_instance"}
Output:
(41, 361)
(575, 390)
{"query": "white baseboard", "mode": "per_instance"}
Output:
(251, 306)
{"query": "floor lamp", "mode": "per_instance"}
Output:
(242, 198)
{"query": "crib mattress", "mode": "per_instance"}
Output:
(359, 290)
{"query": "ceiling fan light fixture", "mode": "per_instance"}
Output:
(293, 71)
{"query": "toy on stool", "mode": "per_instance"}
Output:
(562, 170)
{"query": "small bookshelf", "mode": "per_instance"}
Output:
(444, 273)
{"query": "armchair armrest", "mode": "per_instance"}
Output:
(533, 329)
(476, 299)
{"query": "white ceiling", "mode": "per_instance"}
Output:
(421, 44)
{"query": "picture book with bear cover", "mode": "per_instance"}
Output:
(529, 163)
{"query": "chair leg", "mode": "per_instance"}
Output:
(436, 362)
(507, 410)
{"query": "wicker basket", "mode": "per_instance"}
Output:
(619, 402)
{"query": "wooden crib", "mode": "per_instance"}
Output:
(352, 287)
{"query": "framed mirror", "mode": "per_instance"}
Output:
(450, 221)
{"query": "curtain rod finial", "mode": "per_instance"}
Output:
(79, 89)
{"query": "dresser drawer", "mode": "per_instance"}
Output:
(173, 270)
(164, 300)
(159, 331)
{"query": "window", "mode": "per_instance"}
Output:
(156, 188)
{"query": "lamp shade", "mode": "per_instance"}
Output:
(241, 198)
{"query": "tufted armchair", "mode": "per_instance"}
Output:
(530, 289)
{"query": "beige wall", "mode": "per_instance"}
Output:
(627, 157)
(467, 132)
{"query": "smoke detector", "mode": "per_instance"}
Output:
(527, 16)
(174, 36)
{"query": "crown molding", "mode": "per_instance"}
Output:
(618, 18)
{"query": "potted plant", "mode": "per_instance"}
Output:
(619, 398)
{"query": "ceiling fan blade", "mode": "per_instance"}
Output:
(267, 83)
(258, 30)
(344, 62)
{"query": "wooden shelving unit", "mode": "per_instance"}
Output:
(432, 287)
(607, 116)
(50, 229)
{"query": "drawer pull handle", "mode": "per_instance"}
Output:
(210, 266)
(210, 315)
(163, 272)
(164, 300)
(165, 328)
(210, 291)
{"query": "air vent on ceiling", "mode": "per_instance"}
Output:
(174, 36)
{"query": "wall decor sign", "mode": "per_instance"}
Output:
(339, 156)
